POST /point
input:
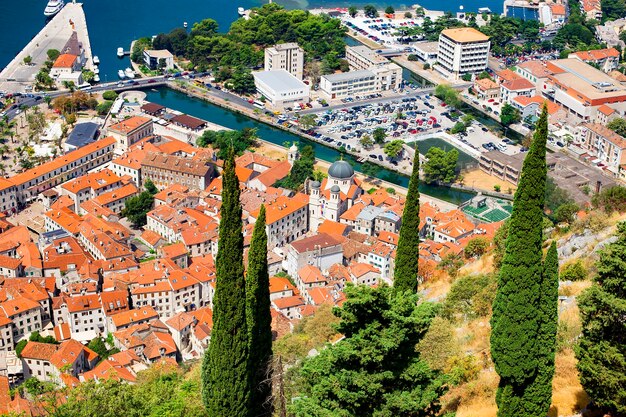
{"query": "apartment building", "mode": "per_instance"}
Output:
(115, 200)
(286, 219)
(605, 145)
(348, 84)
(164, 170)
(50, 363)
(605, 59)
(130, 131)
(285, 56)
(90, 186)
(6, 334)
(31, 183)
(463, 51)
(321, 250)
(388, 74)
(25, 315)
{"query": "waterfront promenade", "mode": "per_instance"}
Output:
(16, 76)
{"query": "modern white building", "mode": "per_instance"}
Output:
(348, 84)
(158, 59)
(285, 56)
(281, 88)
(463, 51)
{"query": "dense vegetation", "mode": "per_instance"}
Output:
(234, 54)
(375, 369)
(440, 166)
(238, 140)
(301, 170)
(602, 348)
(136, 208)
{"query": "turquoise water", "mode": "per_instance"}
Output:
(115, 23)
(179, 101)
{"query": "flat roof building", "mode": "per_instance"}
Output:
(285, 56)
(82, 134)
(462, 51)
(348, 84)
(281, 88)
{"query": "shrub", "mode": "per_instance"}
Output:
(412, 57)
(109, 95)
(573, 271)
(470, 296)
(476, 247)
(612, 199)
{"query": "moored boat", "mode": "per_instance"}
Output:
(129, 73)
(53, 7)
(121, 74)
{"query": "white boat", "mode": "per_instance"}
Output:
(120, 52)
(53, 7)
(96, 60)
(96, 70)
(96, 78)
(129, 73)
(185, 24)
(121, 74)
(241, 11)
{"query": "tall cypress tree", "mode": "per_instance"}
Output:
(407, 254)
(226, 376)
(259, 319)
(516, 319)
(538, 395)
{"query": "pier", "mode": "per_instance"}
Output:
(16, 76)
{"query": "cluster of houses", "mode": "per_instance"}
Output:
(148, 293)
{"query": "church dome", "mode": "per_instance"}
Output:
(315, 184)
(334, 189)
(341, 170)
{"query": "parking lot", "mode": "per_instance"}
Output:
(404, 118)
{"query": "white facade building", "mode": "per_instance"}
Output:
(281, 88)
(463, 51)
(285, 56)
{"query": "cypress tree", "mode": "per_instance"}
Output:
(259, 319)
(226, 379)
(516, 320)
(407, 254)
(538, 396)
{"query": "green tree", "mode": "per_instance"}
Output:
(394, 148)
(239, 140)
(407, 253)
(390, 10)
(109, 95)
(136, 208)
(601, 351)
(149, 186)
(259, 319)
(352, 11)
(307, 121)
(611, 199)
(370, 11)
(366, 141)
(470, 296)
(300, 171)
(375, 370)
(448, 94)
(458, 128)
(618, 125)
(28, 60)
(141, 44)
(379, 135)
(103, 108)
(226, 369)
(524, 295)
(440, 165)
(509, 115)
(53, 54)
(476, 247)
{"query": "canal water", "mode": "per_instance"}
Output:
(207, 111)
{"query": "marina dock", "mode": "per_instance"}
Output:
(16, 76)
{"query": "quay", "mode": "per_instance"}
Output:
(16, 76)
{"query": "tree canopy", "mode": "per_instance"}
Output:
(375, 370)
(601, 351)
(239, 140)
(440, 165)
